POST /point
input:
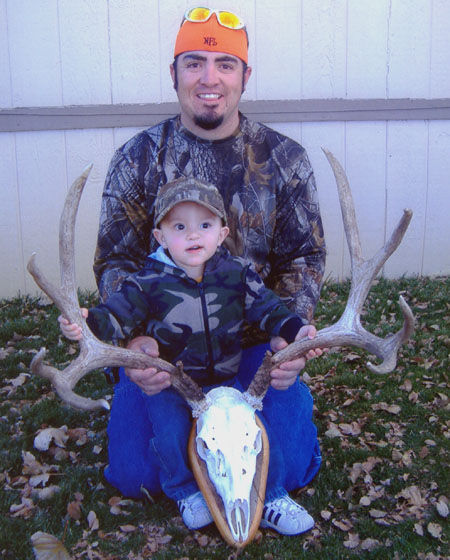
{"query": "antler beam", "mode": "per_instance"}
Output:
(93, 354)
(348, 331)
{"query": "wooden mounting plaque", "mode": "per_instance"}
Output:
(213, 499)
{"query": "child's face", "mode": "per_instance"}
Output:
(191, 233)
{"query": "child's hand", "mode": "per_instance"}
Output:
(72, 331)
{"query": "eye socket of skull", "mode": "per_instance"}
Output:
(202, 448)
(257, 445)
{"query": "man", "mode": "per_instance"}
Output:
(269, 193)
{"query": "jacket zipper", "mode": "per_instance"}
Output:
(210, 366)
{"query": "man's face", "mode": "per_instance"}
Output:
(209, 87)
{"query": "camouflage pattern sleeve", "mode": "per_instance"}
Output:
(298, 257)
(123, 236)
(263, 307)
(124, 311)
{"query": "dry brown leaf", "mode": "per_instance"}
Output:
(343, 524)
(45, 437)
(418, 528)
(127, 528)
(424, 452)
(377, 513)
(406, 386)
(442, 507)
(30, 464)
(46, 493)
(325, 514)
(435, 530)
(407, 458)
(352, 541)
(333, 431)
(413, 496)
(370, 544)
(92, 521)
(351, 356)
(353, 429)
(365, 501)
(391, 408)
(356, 471)
(38, 479)
(202, 540)
(48, 547)
(24, 509)
(396, 455)
(74, 510)
(19, 380)
(79, 435)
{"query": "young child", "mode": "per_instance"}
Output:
(194, 298)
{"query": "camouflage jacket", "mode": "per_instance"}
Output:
(269, 192)
(199, 323)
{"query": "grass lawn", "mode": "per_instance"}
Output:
(382, 491)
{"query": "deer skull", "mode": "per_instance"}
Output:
(229, 441)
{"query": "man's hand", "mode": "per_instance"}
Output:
(286, 373)
(149, 380)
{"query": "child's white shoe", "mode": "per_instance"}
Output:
(286, 516)
(194, 511)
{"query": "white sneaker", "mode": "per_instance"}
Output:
(194, 511)
(286, 516)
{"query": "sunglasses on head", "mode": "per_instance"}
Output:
(226, 19)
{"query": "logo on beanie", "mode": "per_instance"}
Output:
(210, 41)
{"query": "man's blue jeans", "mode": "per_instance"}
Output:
(140, 456)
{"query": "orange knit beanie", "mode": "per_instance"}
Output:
(211, 36)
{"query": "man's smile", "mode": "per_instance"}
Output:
(209, 95)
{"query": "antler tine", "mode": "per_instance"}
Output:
(348, 331)
(94, 354)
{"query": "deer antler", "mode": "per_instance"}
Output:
(348, 331)
(93, 354)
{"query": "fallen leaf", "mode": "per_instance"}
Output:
(396, 455)
(48, 547)
(406, 386)
(19, 380)
(333, 431)
(38, 479)
(356, 471)
(343, 524)
(44, 438)
(352, 541)
(442, 507)
(46, 493)
(92, 521)
(127, 528)
(30, 464)
(326, 515)
(202, 540)
(79, 435)
(351, 356)
(435, 530)
(353, 429)
(376, 513)
(24, 509)
(413, 495)
(391, 408)
(369, 544)
(74, 510)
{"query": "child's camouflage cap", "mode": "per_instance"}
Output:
(188, 190)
